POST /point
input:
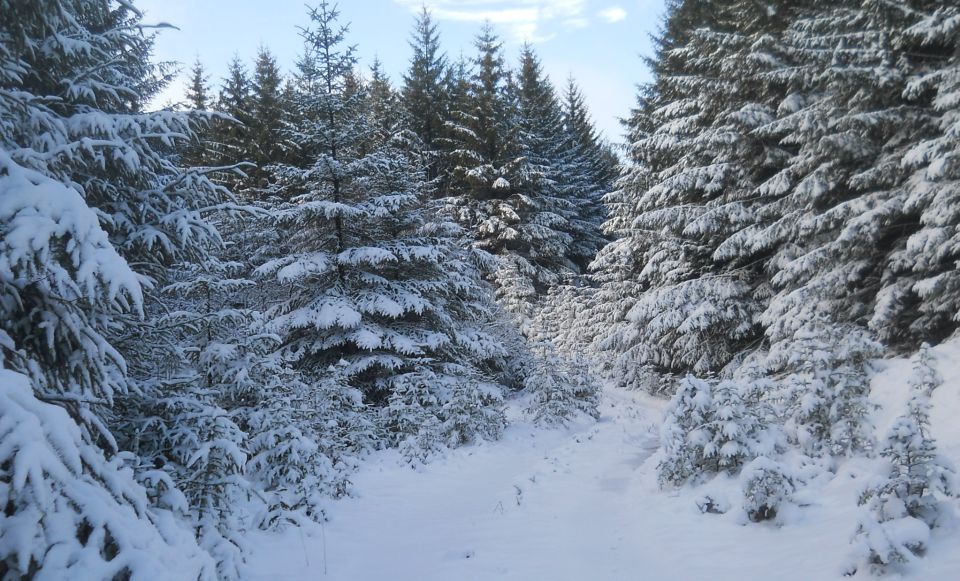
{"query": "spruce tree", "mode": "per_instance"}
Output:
(508, 185)
(88, 188)
(562, 388)
(716, 426)
(599, 160)
(850, 121)
(266, 116)
(424, 90)
(920, 290)
(383, 103)
(376, 289)
(198, 90)
(686, 293)
(198, 99)
(767, 486)
(564, 186)
(185, 419)
(826, 386)
(589, 167)
(903, 506)
(232, 140)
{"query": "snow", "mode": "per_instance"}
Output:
(48, 226)
(54, 484)
(584, 503)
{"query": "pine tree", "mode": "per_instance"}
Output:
(920, 290)
(198, 99)
(903, 507)
(267, 115)
(590, 169)
(842, 214)
(61, 493)
(562, 388)
(234, 98)
(680, 435)
(186, 419)
(383, 103)
(561, 319)
(686, 292)
(88, 189)
(304, 438)
(474, 134)
(767, 486)
(506, 144)
(715, 426)
(599, 161)
(424, 91)
(826, 387)
(232, 139)
(375, 288)
(198, 91)
(564, 188)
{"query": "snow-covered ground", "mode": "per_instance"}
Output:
(583, 504)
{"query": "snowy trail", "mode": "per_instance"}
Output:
(577, 504)
(500, 511)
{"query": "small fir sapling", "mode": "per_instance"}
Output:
(901, 507)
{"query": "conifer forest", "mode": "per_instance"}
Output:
(314, 321)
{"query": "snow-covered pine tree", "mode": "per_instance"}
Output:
(72, 513)
(506, 144)
(826, 386)
(86, 190)
(920, 292)
(850, 123)
(268, 114)
(618, 265)
(374, 288)
(560, 319)
(231, 139)
(456, 89)
(424, 92)
(715, 426)
(683, 297)
(680, 434)
(188, 416)
(589, 167)
(476, 140)
(906, 503)
(302, 440)
(589, 147)
(767, 486)
(305, 441)
(550, 149)
(562, 387)
(737, 428)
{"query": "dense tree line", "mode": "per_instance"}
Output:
(212, 312)
(786, 166)
(520, 167)
(788, 213)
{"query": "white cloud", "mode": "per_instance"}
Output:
(530, 32)
(613, 14)
(523, 18)
(502, 16)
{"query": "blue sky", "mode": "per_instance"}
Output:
(598, 41)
